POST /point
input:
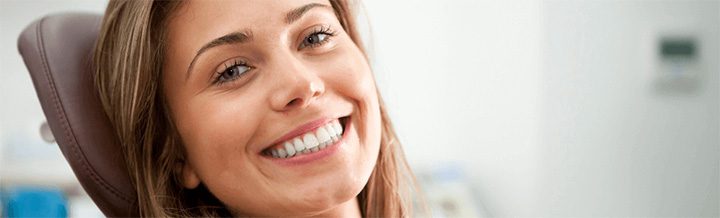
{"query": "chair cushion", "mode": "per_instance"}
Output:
(57, 50)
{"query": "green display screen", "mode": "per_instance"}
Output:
(674, 48)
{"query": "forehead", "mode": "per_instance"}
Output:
(205, 19)
(250, 10)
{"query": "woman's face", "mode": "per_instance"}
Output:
(275, 104)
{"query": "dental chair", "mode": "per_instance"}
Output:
(57, 50)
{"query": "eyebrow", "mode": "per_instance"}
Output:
(297, 13)
(246, 35)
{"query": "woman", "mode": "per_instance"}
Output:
(248, 108)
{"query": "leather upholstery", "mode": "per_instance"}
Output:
(57, 50)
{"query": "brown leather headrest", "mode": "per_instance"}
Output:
(57, 50)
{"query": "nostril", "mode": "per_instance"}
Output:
(293, 102)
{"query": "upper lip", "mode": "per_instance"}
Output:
(302, 129)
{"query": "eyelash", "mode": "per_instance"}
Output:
(236, 63)
(218, 80)
(319, 30)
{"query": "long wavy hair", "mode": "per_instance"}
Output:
(128, 60)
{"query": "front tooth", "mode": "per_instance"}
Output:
(274, 153)
(338, 127)
(315, 149)
(323, 145)
(299, 145)
(282, 153)
(322, 135)
(290, 149)
(310, 141)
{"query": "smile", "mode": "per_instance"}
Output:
(312, 141)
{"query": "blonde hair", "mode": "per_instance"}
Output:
(128, 57)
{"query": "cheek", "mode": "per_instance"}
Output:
(216, 131)
(354, 78)
(349, 74)
(353, 81)
(358, 81)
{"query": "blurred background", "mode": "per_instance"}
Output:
(601, 108)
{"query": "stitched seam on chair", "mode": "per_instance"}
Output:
(59, 110)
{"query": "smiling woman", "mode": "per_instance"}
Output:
(249, 108)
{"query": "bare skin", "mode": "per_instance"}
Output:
(245, 92)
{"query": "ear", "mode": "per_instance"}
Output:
(188, 177)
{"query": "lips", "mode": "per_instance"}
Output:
(308, 138)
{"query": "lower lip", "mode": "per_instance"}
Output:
(311, 157)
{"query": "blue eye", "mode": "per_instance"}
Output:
(317, 37)
(233, 72)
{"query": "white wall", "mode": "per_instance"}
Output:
(551, 105)
(612, 143)
(461, 80)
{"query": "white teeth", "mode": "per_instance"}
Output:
(330, 130)
(299, 146)
(322, 135)
(338, 127)
(310, 141)
(290, 149)
(282, 153)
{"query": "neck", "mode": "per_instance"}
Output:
(349, 209)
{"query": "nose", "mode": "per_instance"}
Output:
(297, 86)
